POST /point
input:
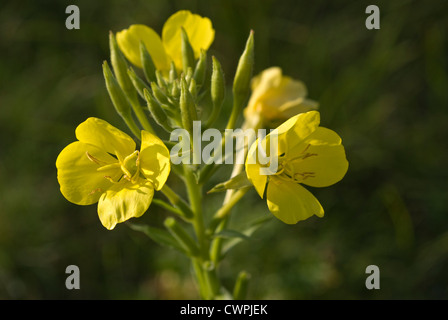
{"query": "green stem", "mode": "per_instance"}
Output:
(241, 284)
(204, 269)
(225, 209)
(195, 196)
(221, 219)
(167, 206)
(182, 237)
(204, 290)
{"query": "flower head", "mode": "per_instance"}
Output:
(168, 48)
(276, 98)
(103, 166)
(306, 154)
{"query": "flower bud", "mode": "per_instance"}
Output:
(201, 69)
(276, 98)
(138, 83)
(148, 65)
(159, 94)
(187, 107)
(116, 94)
(119, 100)
(187, 51)
(120, 67)
(156, 111)
(218, 91)
(160, 80)
(193, 88)
(241, 82)
(173, 72)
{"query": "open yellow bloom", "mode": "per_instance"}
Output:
(276, 98)
(168, 48)
(103, 166)
(307, 154)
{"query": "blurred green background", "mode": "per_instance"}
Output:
(384, 91)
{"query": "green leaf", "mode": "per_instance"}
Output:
(237, 182)
(160, 236)
(252, 227)
(229, 234)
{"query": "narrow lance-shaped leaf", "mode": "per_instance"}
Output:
(237, 182)
(248, 231)
(160, 236)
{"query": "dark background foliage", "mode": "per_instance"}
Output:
(384, 91)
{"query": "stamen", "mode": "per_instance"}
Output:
(93, 159)
(95, 191)
(109, 166)
(112, 180)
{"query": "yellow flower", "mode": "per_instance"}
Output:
(276, 98)
(103, 166)
(307, 154)
(168, 48)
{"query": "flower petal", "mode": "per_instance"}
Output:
(296, 129)
(105, 136)
(324, 158)
(253, 170)
(199, 30)
(124, 200)
(154, 160)
(263, 82)
(79, 180)
(290, 202)
(129, 42)
(276, 98)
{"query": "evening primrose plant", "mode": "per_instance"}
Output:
(166, 90)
